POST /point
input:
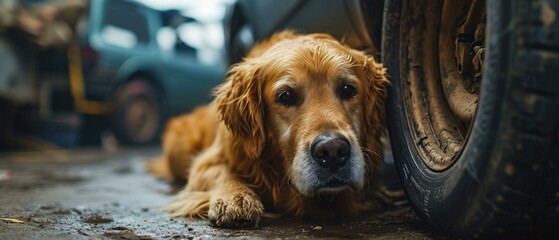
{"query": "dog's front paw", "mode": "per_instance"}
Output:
(236, 210)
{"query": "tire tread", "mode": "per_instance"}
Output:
(530, 194)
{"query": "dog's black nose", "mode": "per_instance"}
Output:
(331, 151)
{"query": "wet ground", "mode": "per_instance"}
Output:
(91, 194)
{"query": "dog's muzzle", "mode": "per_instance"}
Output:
(332, 157)
(331, 151)
(330, 162)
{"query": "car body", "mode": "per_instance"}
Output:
(351, 21)
(182, 80)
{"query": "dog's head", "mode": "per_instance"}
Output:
(315, 101)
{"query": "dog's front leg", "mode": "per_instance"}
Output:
(231, 202)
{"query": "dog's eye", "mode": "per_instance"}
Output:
(287, 98)
(347, 91)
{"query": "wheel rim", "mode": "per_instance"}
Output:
(141, 120)
(441, 88)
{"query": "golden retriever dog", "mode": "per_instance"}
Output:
(295, 129)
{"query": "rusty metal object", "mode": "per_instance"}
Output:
(478, 60)
(466, 30)
(7, 9)
(47, 24)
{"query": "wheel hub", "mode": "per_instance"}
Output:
(141, 119)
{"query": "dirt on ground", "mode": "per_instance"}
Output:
(91, 194)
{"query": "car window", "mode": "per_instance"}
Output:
(124, 24)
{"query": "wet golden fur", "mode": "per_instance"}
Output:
(237, 154)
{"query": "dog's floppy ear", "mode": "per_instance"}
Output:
(240, 105)
(376, 84)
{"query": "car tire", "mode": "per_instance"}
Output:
(504, 180)
(138, 114)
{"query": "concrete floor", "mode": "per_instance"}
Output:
(91, 194)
